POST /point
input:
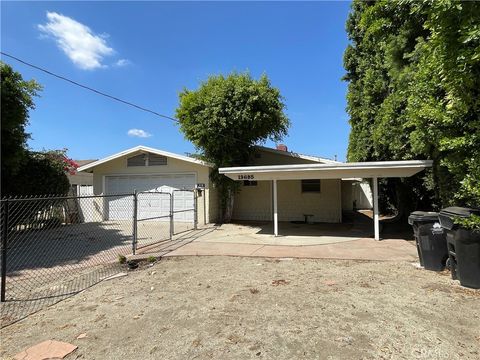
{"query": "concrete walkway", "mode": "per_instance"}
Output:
(227, 242)
(362, 249)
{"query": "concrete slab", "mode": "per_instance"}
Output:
(206, 248)
(362, 249)
(254, 240)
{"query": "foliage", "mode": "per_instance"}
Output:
(225, 117)
(42, 173)
(25, 172)
(122, 259)
(16, 102)
(414, 83)
(470, 223)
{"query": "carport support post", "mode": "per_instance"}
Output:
(275, 209)
(376, 223)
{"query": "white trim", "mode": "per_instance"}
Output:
(381, 169)
(275, 208)
(297, 155)
(91, 165)
(348, 166)
(376, 220)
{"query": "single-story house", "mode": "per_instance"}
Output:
(276, 184)
(81, 183)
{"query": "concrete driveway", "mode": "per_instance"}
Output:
(321, 241)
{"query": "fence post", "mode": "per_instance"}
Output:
(135, 210)
(195, 209)
(171, 215)
(4, 252)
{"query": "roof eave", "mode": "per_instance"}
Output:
(94, 164)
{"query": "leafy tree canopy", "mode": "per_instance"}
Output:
(25, 172)
(226, 116)
(414, 80)
(16, 102)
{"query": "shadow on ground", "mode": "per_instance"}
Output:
(47, 268)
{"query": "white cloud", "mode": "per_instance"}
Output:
(138, 133)
(77, 41)
(122, 63)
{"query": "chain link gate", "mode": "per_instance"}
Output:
(152, 219)
(184, 209)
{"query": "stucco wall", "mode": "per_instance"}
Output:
(213, 203)
(255, 202)
(358, 192)
(174, 166)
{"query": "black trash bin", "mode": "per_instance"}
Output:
(463, 246)
(430, 239)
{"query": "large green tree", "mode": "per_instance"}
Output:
(16, 102)
(225, 117)
(413, 76)
(25, 172)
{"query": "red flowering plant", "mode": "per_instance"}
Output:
(59, 159)
(70, 165)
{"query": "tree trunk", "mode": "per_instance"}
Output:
(228, 210)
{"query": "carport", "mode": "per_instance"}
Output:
(371, 170)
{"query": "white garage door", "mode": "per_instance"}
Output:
(149, 206)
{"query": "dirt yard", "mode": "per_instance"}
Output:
(236, 308)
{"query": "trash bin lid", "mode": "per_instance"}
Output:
(422, 216)
(447, 215)
(457, 211)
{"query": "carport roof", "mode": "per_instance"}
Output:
(379, 169)
(142, 148)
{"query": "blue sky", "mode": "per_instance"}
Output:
(147, 52)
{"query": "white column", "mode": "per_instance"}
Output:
(376, 222)
(275, 210)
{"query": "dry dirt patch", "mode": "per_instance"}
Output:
(226, 308)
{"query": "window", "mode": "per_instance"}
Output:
(137, 160)
(311, 185)
(156, 160)
(249, 183)
(147, 160)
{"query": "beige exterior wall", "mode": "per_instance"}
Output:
(213, 203)
(357, 192)
(255, 202)
(174, 166)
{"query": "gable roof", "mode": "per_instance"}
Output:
(297, 155)
(91, 165)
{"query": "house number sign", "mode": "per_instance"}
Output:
(246, 177)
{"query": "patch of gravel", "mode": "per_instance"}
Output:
(231, 308)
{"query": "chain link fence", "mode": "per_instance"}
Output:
(184, 211)
(52, 247)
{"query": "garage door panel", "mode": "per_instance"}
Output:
(122, 208)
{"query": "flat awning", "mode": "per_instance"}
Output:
(374, 169)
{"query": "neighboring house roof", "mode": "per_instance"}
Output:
(297, 155)
(141, 148)
(84, 162)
